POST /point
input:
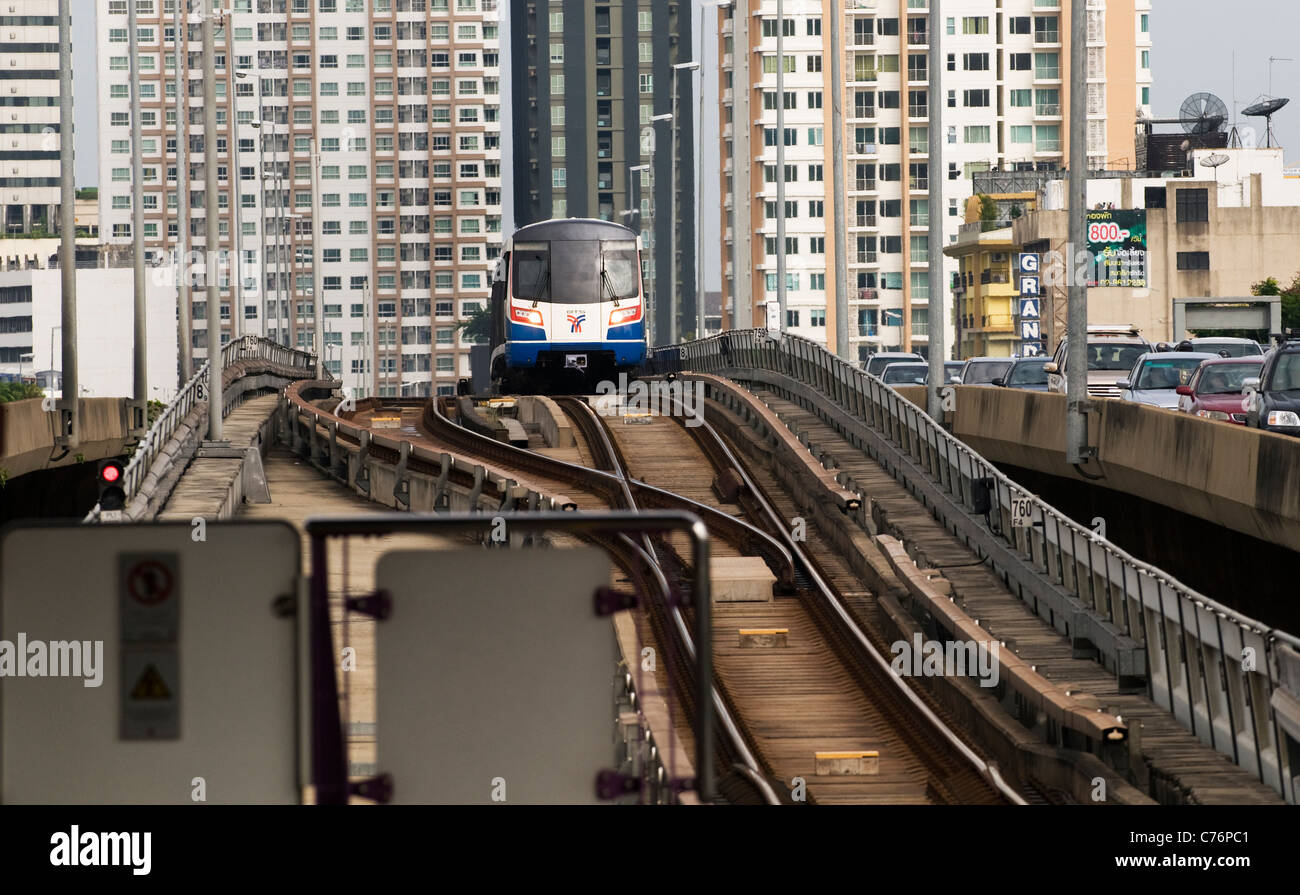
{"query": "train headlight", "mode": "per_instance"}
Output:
(622, 316)
(527, 316)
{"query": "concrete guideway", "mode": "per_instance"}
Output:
(1244, 479)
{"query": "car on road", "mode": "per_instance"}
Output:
(1274, 397)
(952, 371)
(1156, 376)
(1219, 344)
(876, 363)
(1112, 351)
(1215, 391)
(906, 373)
(983, 370)
(1026, 373)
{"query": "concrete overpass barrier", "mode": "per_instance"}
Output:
(1227, 678)
(396, 472)
(27, 434)
(1244, 479)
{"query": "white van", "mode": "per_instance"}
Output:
(1112, 351)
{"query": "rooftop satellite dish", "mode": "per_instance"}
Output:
(1266, 110)
(1215, 161)
(1203, 113)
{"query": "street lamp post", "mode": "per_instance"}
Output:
(634, 209)
(672, 245)
(257, 125)
(261, 217)
(700, 310)
(184, 266)
(654, 329)
(236, 177)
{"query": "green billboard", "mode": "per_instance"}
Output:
(1117, 245)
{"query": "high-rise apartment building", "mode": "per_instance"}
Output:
(401, 100)
(1006, 105)
(29, 116)
(588, 76)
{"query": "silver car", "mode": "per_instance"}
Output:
(983, 370)
(1156, 376)
(876, 363)
(906, 373)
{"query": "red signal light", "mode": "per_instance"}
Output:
(111, 473)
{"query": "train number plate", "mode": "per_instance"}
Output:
(575, 361)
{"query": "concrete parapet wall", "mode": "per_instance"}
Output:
(1241, 478)
(27, 434)
(545, 414)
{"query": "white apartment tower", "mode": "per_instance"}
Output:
(1006, 95)
(29, 115)
(401, 98)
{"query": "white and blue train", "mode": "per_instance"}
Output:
(568, 308)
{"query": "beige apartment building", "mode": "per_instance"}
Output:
(1210, 235)
(1006, 96)
(400, 99)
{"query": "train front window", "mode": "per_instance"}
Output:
(532, 263)
(622, 276)
(575, 272)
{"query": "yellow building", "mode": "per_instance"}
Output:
(984, 292)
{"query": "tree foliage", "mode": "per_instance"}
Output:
(478, 328)
(1290, 296)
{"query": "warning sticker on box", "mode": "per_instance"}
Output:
(150, 697)
(149, 596)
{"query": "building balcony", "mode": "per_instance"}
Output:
(865, 257)
(868, 294)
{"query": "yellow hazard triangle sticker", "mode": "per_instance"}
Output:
(150, 685)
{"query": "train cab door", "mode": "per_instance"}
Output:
(499, 301)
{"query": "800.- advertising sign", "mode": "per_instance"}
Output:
(1117, 243)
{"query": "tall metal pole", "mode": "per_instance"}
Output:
(212, 242)
(279, 237)
(70, 405)
(261, 214)
(184, 269)
(780, 163)
(699, 191)
(837, 183)
(140, 345)
(317, 291)
(672, 228)
(235, 177)
(938, 288)
(1076, 380)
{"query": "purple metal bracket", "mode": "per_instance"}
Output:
(378, 605)
(608, 601)
(378, 789)
(612, 784)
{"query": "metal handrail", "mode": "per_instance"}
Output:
(1230, 710)
(146, 451)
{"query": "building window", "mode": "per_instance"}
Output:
(1193, 206)
(1193, 260)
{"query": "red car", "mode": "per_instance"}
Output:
(1215, 390)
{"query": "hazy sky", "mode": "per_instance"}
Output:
(1194, 41)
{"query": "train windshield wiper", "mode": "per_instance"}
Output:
(541, 287)
(606, 284)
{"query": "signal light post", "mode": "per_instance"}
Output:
(111, 478)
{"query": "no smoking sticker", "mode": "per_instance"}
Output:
(149, 598)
